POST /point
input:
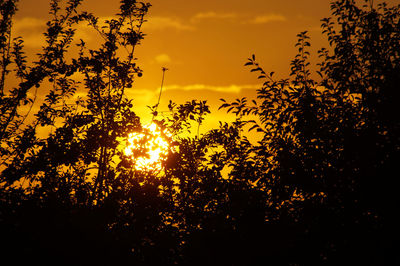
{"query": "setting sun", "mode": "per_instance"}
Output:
(148, 148)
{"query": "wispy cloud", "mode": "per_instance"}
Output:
(263, 19)
(260, 19)
(212, 15)
(163, 59)
(162, 23)
(28, 24)
(225, 89)
(30, 29)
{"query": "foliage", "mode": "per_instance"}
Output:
(329, 147)
(317, 189)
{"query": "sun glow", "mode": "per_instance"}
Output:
(149, 148)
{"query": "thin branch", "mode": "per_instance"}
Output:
(159, 95)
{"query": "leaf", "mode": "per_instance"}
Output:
(255, 69)
(253, 127)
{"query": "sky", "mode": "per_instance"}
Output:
(204, 44)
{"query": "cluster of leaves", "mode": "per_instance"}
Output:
(316, 189)
(329, 146)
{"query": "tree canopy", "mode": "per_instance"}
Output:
(317, 189)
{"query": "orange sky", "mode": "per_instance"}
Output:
(204, 43)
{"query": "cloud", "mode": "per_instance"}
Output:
(163, 59)
(30, 29)
(225, 89)
(154, 23)
(143, 95)
(212, 15)
(162, 23)
(263, 19)
(28, 24)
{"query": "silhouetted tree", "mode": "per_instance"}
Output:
(329, 147)
(317, 189)
(71, 196)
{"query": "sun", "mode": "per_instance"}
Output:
(149, 148)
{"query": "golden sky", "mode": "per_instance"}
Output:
(203, 43)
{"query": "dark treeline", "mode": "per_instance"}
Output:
(319, 188)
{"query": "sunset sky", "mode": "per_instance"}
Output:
(204, 44)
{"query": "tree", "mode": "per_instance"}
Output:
(329, 147)
(316, 189)
(71, 194)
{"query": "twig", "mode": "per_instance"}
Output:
(159, 95)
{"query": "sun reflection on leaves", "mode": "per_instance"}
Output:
(148, 148)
